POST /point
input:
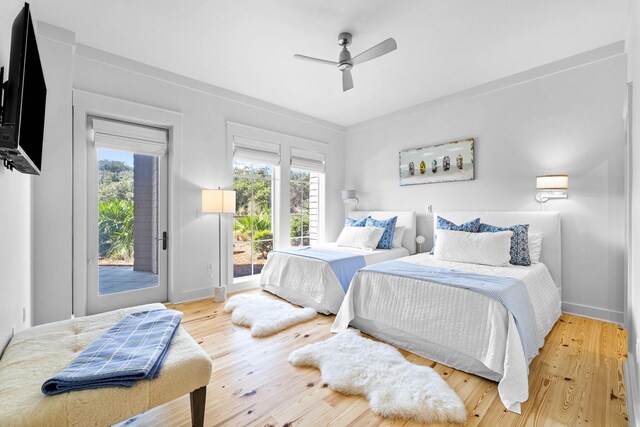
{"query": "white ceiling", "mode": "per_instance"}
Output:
(444, 46)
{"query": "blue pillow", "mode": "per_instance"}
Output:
(350, 222)
(444, 224)
(470, 227)
(389, 225)
(519, 241)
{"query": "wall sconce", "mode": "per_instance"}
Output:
(349, 196)
(551, 187)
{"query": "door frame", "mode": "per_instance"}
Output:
(86, 104)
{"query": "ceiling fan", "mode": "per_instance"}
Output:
(346, 62)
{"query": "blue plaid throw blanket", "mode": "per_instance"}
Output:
(133, 349)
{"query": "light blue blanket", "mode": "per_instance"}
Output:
(344, 265)
(510, 292)
(133, 349)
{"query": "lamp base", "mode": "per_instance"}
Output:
(220, 293)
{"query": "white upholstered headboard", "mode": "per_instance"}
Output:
(539, 222)
(407, 219)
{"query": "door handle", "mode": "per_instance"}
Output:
(164, 240)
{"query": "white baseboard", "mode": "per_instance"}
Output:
(207, 292)
(244, 285)
(631, 385)
(593, 312)
(194, 295)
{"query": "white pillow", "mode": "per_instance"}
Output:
(398, 234)
(360, 237)
(535, 247)
(474, 248)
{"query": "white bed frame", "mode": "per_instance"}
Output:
(547, 223)
(406, 219)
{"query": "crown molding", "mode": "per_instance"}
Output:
(57, 34)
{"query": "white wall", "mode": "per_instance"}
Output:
(569, 122)
(52, 190)
(205, 111)
(633, 294)
(15, 253)
(15, 219)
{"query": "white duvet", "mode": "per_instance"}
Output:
(453, 326)
(312, 283)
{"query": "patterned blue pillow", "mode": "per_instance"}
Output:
(519, 241)
(444, 224)
(470, 227)
(389, 225)
(350, 222)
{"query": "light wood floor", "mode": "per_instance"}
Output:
(576, 379)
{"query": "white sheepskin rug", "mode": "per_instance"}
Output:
(265, 316)
(394, 387)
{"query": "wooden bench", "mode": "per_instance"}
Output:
(38, 353)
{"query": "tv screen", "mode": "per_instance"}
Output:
(24, 100)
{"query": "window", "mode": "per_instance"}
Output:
(252, 226)
(279, 194)
(304, 206)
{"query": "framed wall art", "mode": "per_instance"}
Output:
(448, 162)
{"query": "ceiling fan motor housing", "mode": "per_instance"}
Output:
(344, 61)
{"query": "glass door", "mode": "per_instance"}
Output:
(127, 219)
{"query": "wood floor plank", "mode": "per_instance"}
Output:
(577, 379)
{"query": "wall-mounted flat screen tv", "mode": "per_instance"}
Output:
(23, 101)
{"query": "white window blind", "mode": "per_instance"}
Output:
(132, 138)
(307, 160)
(255, 151)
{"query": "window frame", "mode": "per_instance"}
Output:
(281, 218)
(311, 237)
(273, 210)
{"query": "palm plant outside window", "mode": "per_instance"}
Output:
(253, 232)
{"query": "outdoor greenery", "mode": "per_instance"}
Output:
(299, 226)
(115, 180)
(300, 189)
(115, 210)
(253, 222)
(115, 225)
(263, 243)
(252, 185)
(245, 225)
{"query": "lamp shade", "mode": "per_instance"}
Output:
(348, 194)
(552, 182)
(218, 201)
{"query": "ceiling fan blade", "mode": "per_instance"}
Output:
(378, 50)
(309, 58)
(347, 80)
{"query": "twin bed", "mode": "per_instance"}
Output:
(452, 325)
(312, 282)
